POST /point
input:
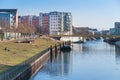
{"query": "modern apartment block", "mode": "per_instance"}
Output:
(44, 23)
(5, 20)
(9, 17)
(67, 23)
(60, 23)
(117, 28)
(56, 23)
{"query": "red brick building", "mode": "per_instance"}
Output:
(25, 20)
(35, 23)
(44, 23)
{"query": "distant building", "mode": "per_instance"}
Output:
(44, 23)
(112, 31)
(82, 30)
(94, 31)
(85, 31)
(117, 28)
(105, 32)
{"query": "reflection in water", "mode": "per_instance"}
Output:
(61, 65)
(93, 60)
(117, 54)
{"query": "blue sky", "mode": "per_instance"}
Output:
(100, 14)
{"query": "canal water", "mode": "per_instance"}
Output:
(94, 60)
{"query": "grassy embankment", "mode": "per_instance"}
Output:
(19, 52)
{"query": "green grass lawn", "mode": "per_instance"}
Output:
(19, 52)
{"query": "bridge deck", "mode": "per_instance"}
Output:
(110, 36)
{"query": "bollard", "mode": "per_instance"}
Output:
(69, 42)
(60, 47)
(63, 44)
(51, 52)
(56, 50)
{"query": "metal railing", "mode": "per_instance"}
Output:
(18, 69)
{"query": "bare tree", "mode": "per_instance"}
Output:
(5, 27)
(26, 29)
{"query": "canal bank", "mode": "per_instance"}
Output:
(12, 53)
(26, 69)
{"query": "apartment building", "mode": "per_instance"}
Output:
(9, 17)
(44, 23)
(56, 23)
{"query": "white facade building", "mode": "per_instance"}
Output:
(54, 22)
(60, 22)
